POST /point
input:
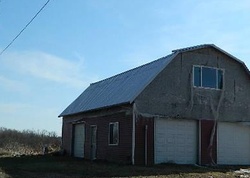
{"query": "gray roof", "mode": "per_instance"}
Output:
(125, 87)
(119, 89)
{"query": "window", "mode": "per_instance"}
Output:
(197, 76)
(113, 133)
(208, 77)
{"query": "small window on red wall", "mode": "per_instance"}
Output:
(113, 133)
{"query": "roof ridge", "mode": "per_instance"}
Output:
(192, 48)
(131, 69)
(214, 46)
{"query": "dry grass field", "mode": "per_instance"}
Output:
(21, 157)
(40, 166)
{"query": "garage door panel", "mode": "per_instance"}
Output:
(233, 144)
(175, 141)
(79, 134)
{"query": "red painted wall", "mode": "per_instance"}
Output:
(67, 128)
(115, 153)
(140, 141)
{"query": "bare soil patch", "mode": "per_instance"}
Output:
(68, 167)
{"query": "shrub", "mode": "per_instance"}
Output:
(28, 141)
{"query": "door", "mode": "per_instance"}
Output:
(78, 140)
(176, 141)
(208, 149)
(93, 141)
(233, 143)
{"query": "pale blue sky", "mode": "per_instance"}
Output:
(74, 43)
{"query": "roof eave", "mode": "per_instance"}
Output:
(235, 58)
(96, 109)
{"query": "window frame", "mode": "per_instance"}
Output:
(217, 77)
(118, 134)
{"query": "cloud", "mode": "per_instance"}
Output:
(11, 108)
(12, 85)
(14, 115)
(199, 22)
(49, 67)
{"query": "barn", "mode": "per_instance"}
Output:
(190, 107)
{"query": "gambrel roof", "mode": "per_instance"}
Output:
(125, 87)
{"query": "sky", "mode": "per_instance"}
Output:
(71, 44)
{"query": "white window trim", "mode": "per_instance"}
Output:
(118, 135)
(217, 69)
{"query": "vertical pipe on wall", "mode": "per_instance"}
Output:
(72, 139)
(133, 134)
(146, 144)
(200, 142)
(62, 138)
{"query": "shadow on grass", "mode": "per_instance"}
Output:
(66, 167)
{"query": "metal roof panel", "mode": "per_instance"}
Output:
(121, 88)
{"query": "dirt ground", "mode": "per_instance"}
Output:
(67, 167)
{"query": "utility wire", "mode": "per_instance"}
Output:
(24, 28)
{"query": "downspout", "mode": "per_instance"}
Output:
(133, 134)
(146, 144)
(72, 139)
(62, 142)
(199, 141)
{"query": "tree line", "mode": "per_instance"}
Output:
(28, 141)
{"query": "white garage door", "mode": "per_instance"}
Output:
(176, 141)
(79, 134)
(233, 144)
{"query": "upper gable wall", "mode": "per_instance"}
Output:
(172, 93)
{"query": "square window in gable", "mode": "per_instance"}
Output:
(220, 79)
(197, 76)
(207, 77)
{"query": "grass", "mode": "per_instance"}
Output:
(67, 167)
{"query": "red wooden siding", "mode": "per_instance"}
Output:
(67, 135)
(115, 153)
